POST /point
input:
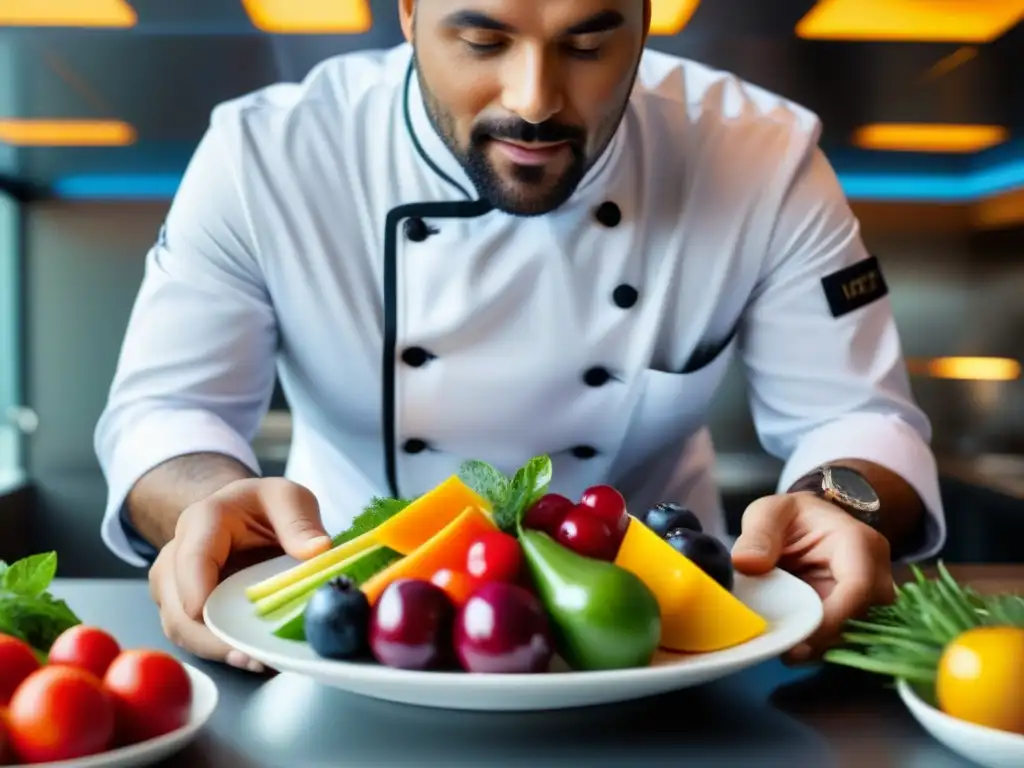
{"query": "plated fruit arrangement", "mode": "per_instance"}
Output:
(69, 691)
(490, 574)
(964, 648)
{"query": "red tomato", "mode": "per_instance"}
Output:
(60, 713)
(494, 556)
(87, 648)
(152, 693)
(16, 663)
(458, 586)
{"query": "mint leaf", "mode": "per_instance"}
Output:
(378, 510)
(31, 576)
(486, 481)
(529, 484)
(3, 569)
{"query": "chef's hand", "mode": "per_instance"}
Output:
(845, 561)
(243, 515)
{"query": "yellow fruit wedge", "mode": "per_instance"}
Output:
(424, 518)
(698, 615)
(304, 570)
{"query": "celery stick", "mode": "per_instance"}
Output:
(304, 570)
(312, 582)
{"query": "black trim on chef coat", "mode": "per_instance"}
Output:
(393, 229)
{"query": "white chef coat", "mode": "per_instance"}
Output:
(323, 230)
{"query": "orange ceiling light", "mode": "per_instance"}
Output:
(967, 368)
(66, 133)
(290, 17)
(67, 13)
(929, 137)
(669, 17)
(964, 21)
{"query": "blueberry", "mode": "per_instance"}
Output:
(706, 552)
(667, 517)
(337, 620)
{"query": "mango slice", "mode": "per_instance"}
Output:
(698, 615)
(416, 524)
(446, 549)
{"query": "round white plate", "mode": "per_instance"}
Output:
(984, 746)
(204, 702)
(791, 607)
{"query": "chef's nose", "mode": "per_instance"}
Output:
(532, 88)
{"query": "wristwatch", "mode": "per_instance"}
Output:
(847, 488)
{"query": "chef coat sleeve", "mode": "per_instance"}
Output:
(827, 375)
(196, 369)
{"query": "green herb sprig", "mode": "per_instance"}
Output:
(906, 639)
(509, 498)
(27, 610)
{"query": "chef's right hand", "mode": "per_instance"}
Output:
(243, 515)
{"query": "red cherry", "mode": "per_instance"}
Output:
(587, 535)
(547, 513)
(607, 504)
(494, 556)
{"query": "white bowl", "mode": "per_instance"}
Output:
(204, 702)
(985, 746)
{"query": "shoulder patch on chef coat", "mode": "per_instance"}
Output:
(854, 286)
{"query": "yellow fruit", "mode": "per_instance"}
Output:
(981, 678)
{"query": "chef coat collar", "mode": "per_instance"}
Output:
(435, 153)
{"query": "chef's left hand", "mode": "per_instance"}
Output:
(845, 561)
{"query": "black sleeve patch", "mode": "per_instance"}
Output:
(855, 286)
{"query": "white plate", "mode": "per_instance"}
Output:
(984, 746)
(791, 607)
(204, 702)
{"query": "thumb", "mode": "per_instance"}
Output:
(764, 527)
(294, 513)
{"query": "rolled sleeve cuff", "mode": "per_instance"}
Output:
(888, 441)
(150, 441)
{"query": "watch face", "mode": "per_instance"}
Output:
(851, 485)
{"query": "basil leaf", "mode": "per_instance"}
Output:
(486, 481)
(31, 576)
(38, 620)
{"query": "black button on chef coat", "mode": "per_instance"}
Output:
(415, 445)
(416, 230)
(608, 214)
(584, 452)
(625, 296)
(597, 377)
(416, 357)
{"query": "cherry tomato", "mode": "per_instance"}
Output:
(60, 713)
(457, 585)
(152, 693)
(494, 556)
(16, 663)
(607, 504)
(588, 535)
(546, 513)
(85, 647)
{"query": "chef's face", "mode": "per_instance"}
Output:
(526, 93)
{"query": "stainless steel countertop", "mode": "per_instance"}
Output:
(766, 716)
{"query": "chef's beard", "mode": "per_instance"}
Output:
(535, 193)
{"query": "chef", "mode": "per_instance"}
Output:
(518, 233)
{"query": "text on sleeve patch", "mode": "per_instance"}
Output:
(854, 286)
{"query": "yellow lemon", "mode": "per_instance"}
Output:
(981, 678)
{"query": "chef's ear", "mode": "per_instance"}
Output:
(406, 11)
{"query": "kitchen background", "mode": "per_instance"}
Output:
(103, 101)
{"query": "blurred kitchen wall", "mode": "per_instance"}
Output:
(85, 262)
